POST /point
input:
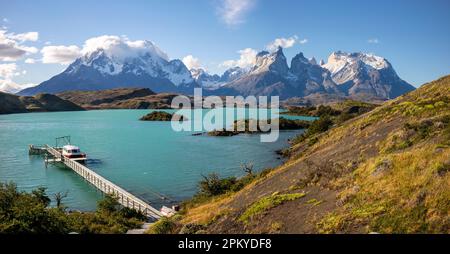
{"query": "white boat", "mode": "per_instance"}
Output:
(168, 212)
(73, 152)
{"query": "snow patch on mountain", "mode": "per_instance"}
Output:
(338, 60)
(122, 48)
(275, 62)
(344, 66)
(151, 62)
(204, 79)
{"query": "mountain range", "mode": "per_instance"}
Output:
(344, 74)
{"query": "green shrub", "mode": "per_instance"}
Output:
(192, 228)
(27, 213)
(439, 104)
(267, 203)
(323, 111)
(312, 141)
(443, 169)
(163, 226)
(423, 128)
(319, 126)
(108, 204)
(23, 212)
(213, 185)
(300, 111)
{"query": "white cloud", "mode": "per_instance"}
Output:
(191, 62)
(303, 41)
(122, 47)
(48, 43)
(60, 54)
(11, 47)
(31, 50)
(285, 42)
(30, 61)
(114, 46)
(247, 56)
(246, 59)
(7, 72)
(30, 36)
(373, 41)
(282, 42)
(5, 20)
(232, 12)
(9, 86)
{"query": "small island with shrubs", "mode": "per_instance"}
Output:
(347, 109)
(243, 126)
(163, 116)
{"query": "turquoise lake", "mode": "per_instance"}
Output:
(145, 158)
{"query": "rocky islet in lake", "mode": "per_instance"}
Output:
(163, 116)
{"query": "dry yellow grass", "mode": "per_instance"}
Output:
(397, 193)
(208, 212)
(406, 188)
(399, 188)
(211, 210)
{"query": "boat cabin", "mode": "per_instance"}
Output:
(73, 152)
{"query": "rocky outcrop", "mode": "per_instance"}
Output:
(163, 116)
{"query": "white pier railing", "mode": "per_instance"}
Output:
(124, 197)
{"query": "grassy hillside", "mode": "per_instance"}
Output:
(385, 171)
(119, 98)
(10, 103)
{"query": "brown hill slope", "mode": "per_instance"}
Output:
(10, 103)
(119, 98)
(385, 171)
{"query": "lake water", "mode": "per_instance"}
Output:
(145, 158)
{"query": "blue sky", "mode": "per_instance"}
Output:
(413, 35)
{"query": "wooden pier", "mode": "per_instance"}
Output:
(124, 197)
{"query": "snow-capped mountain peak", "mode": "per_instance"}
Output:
(122, 48)
(233, 74)
(313, 61)
(197, 72)
(204, 79)
(110, 62)
(274, 62)
(214, 81)
(339, 60)
(360, 73)
(150, 63)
